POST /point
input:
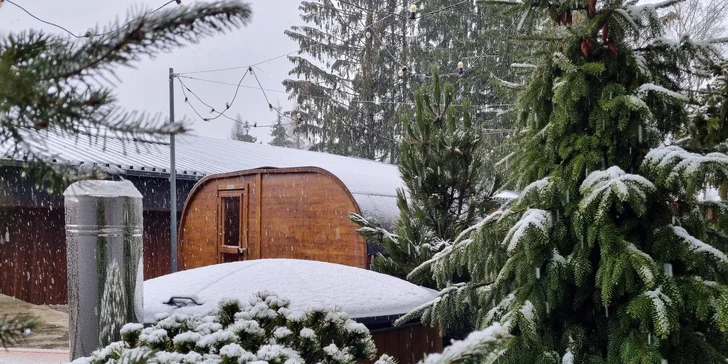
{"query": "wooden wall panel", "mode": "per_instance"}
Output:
(302, 214)
(408, 344)
(305, 216)
(157, 254)
(33, 262)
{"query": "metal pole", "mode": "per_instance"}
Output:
(172, 181)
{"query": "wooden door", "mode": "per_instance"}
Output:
(232, 217)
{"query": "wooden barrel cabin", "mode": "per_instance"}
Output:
(287, 211)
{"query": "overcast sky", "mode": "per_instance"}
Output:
(146, 87)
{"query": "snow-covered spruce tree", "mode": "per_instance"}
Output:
(241, 131)
(707, 130)
(605, 257)
(54, 84)
(279, 131)
(445, 186)
(263, 329)
(113, 313)
(343, 76)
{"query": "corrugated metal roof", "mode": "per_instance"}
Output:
(373, 184)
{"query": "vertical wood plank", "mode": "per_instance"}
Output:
(259, 215)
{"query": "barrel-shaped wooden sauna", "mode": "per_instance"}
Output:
(296, 213)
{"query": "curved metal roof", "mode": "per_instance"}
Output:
(373, 184)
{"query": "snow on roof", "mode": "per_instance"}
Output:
(97, 188)
(308, 284)
(373, 184)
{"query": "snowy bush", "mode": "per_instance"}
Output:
(262, 330)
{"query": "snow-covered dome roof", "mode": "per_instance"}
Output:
(308, 284)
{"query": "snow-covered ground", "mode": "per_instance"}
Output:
(33, 356)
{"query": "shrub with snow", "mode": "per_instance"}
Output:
(262, 330)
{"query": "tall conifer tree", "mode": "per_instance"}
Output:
(608, 255)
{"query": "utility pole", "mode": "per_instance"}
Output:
(172, 181)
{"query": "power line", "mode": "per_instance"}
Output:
(88, 34)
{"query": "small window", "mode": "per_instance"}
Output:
(231, 223)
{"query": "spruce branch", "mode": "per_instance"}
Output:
(53, 84)
(14, 329)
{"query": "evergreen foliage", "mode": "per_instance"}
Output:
(608, 255)
(263, 329)
(241, 131)
(447, 186)
(279, 132)
(54, 84)
(352, 52)
(113, 311)
(13, 329)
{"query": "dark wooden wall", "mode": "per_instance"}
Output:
(33, 262)
(408, 344)
(297, 213)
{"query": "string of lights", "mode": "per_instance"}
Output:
(373, 102)
(298, 116)
(90, 32)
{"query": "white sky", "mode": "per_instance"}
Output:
(146, 87)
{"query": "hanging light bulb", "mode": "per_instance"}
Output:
(413, 11)
(298, 116)
(369, 33)
(227, 105)
(179, 2)
(461, 67)
(270, 107)
(90, 32)
(1, 3)
(250, 69)
(206, 119)
(255, 124)
(186, 100)
(212, 111)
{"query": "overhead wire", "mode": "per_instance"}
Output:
(328, 98)
(87, 35)
(368, 28)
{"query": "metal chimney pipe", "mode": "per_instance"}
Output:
(104, 261)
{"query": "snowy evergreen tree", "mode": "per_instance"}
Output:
(113, 313)
(608, 254)
(351, 86)
(337, 89)
(261, 330)
(53, 83)
(446, 188)
(279, 132)
(241, 131)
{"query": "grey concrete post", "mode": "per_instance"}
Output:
(104, 261)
